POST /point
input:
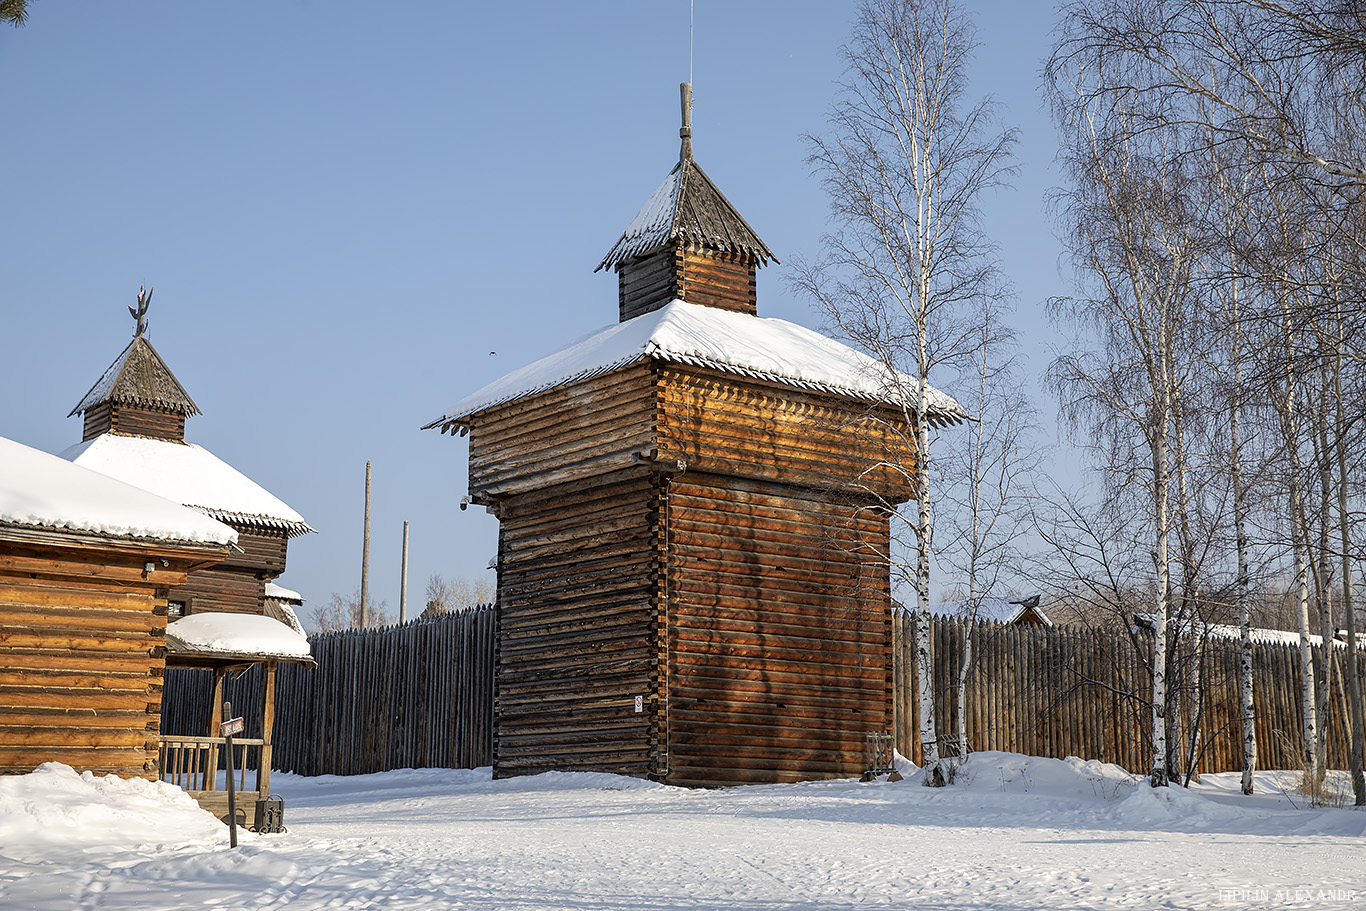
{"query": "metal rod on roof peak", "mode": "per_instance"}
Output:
(685, 132)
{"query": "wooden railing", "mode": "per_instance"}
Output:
(192, 763)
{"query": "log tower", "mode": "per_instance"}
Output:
(693, 580)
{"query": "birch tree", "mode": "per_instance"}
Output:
(905, 161)
(1129, 213)
(988, 471)
(1277, 62)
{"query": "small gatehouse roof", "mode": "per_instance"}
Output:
(139, 376)
(687, 208)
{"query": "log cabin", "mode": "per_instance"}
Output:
(693, 579)
(86, 565)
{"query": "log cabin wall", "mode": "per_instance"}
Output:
(779, 632)
(130, 420)
(238, 584)
(675, 534)
(719, 280)
(83, 642)
(578, 596)
(649, 282)
(721, 424)
(571, 432)
(690, 273)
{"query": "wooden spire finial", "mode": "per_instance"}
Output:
(685, 132)
(140, 314)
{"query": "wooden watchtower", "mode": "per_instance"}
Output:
(134, 431)
(693, 581)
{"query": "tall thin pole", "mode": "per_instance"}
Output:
(403, 582)
(365, 558)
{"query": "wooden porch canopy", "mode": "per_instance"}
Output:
(228, 644)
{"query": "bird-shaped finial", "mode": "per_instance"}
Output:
(140, 314)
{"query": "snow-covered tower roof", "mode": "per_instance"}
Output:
(188, 474)
(137, 394)
(687, 243)
(135, 431)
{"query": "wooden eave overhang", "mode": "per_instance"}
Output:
(247, 520)
(185, 556)
(227, 660)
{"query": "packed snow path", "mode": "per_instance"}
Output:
(1014, 832)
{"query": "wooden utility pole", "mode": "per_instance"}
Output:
(365, 558)
(403, 582)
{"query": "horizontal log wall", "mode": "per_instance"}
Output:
(779, 633)
(578, 598)
(133, 421)
(413, 696)
(82, 648)
(717, 280)
(589, 428)
(238, 584)
(648, 283)
(720, 424)
(1084, 692)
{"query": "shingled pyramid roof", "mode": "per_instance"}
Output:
(139, 376)
(687, 208)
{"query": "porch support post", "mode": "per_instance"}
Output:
(267, 725)
(215, 729)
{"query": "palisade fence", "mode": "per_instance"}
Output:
(1085, 692)
(418, 695)
(421, 696)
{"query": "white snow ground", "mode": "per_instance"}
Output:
(1014, 832)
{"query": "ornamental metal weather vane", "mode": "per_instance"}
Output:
(140, 314)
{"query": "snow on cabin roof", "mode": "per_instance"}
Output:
(246, 636)
(280, 593)
(763, 348)
(44, 491)
(687, 207)
(187, 474)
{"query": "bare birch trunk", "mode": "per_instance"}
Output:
(1299, 542)
(1159, 776)
(1354, 758)
(935, 773)
(1248, 704)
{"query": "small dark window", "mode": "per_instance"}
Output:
(176, 609)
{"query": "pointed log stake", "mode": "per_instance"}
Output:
(403, 581)
(365, 558)
(685, 132)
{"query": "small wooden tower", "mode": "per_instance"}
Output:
(693, 582)
(135, 431)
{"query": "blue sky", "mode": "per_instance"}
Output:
(353, 214)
